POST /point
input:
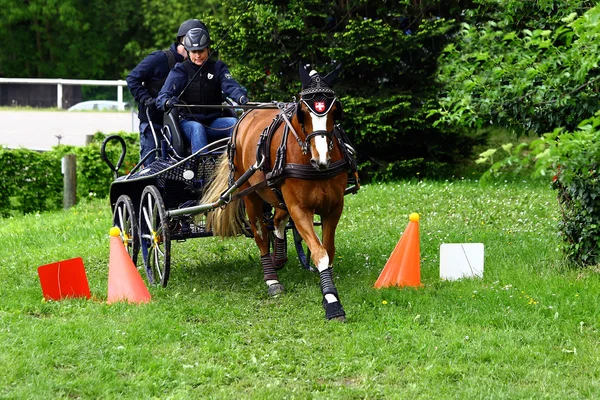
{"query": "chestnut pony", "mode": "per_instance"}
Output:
(295, 161)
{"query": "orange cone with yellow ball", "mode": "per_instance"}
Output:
(124, 280)
(403, 268)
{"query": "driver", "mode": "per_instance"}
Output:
(146, 80)
(204, 81)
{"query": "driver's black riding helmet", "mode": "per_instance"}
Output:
(196, 39)
(187, 25)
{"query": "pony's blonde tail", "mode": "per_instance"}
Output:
(224, 221)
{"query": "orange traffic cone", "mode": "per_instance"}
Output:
(124, 280)
(64, 279)
(403, 268)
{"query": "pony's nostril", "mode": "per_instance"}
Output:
(314, 163)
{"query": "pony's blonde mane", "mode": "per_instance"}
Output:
(227, 221)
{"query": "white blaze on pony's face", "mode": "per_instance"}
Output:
(320, 158)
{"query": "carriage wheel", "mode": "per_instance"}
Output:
(125, 218)
(155, 237)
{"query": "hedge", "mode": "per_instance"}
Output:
(32, 181)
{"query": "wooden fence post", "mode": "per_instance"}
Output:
(69, 170)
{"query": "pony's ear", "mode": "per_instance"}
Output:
(339, 111)
(304, 77)
(300, 114)
(332, 76)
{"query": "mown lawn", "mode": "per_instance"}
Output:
(528, 329)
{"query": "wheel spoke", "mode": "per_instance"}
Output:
(147, 219)
(126, 220)
(156, 253)
(120, 212)
(149, 210)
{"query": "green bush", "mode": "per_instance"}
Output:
(31, 181)
(572, 159)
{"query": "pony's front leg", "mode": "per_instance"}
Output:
(254, 209)
(329, 224)
(331, 300)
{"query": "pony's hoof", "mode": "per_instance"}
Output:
(334, 311)
(276, 289)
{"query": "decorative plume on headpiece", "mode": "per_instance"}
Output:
(313, 82)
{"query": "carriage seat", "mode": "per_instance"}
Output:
(174, 134)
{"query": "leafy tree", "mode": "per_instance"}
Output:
(65, 38)
(389, 52)
(161, 19)
(531, 67)
(542, 76)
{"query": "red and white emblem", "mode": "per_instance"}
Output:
(320, 106)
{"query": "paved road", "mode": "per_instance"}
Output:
(38, 130)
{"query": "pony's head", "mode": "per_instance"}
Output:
(317, 112)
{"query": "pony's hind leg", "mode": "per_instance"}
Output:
(331, 301)
(254, 209)
(279, 222)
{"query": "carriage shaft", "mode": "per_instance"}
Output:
(194, 210)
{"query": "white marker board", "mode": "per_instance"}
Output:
(461, 260)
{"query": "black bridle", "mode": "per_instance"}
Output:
(326, 95)
(306, 144)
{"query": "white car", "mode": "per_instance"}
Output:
(100, 105)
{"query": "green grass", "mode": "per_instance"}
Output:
(529, 329)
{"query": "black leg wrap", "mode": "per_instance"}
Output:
(335, 309)
(327, 286)
(268, 269)
(280, 256)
